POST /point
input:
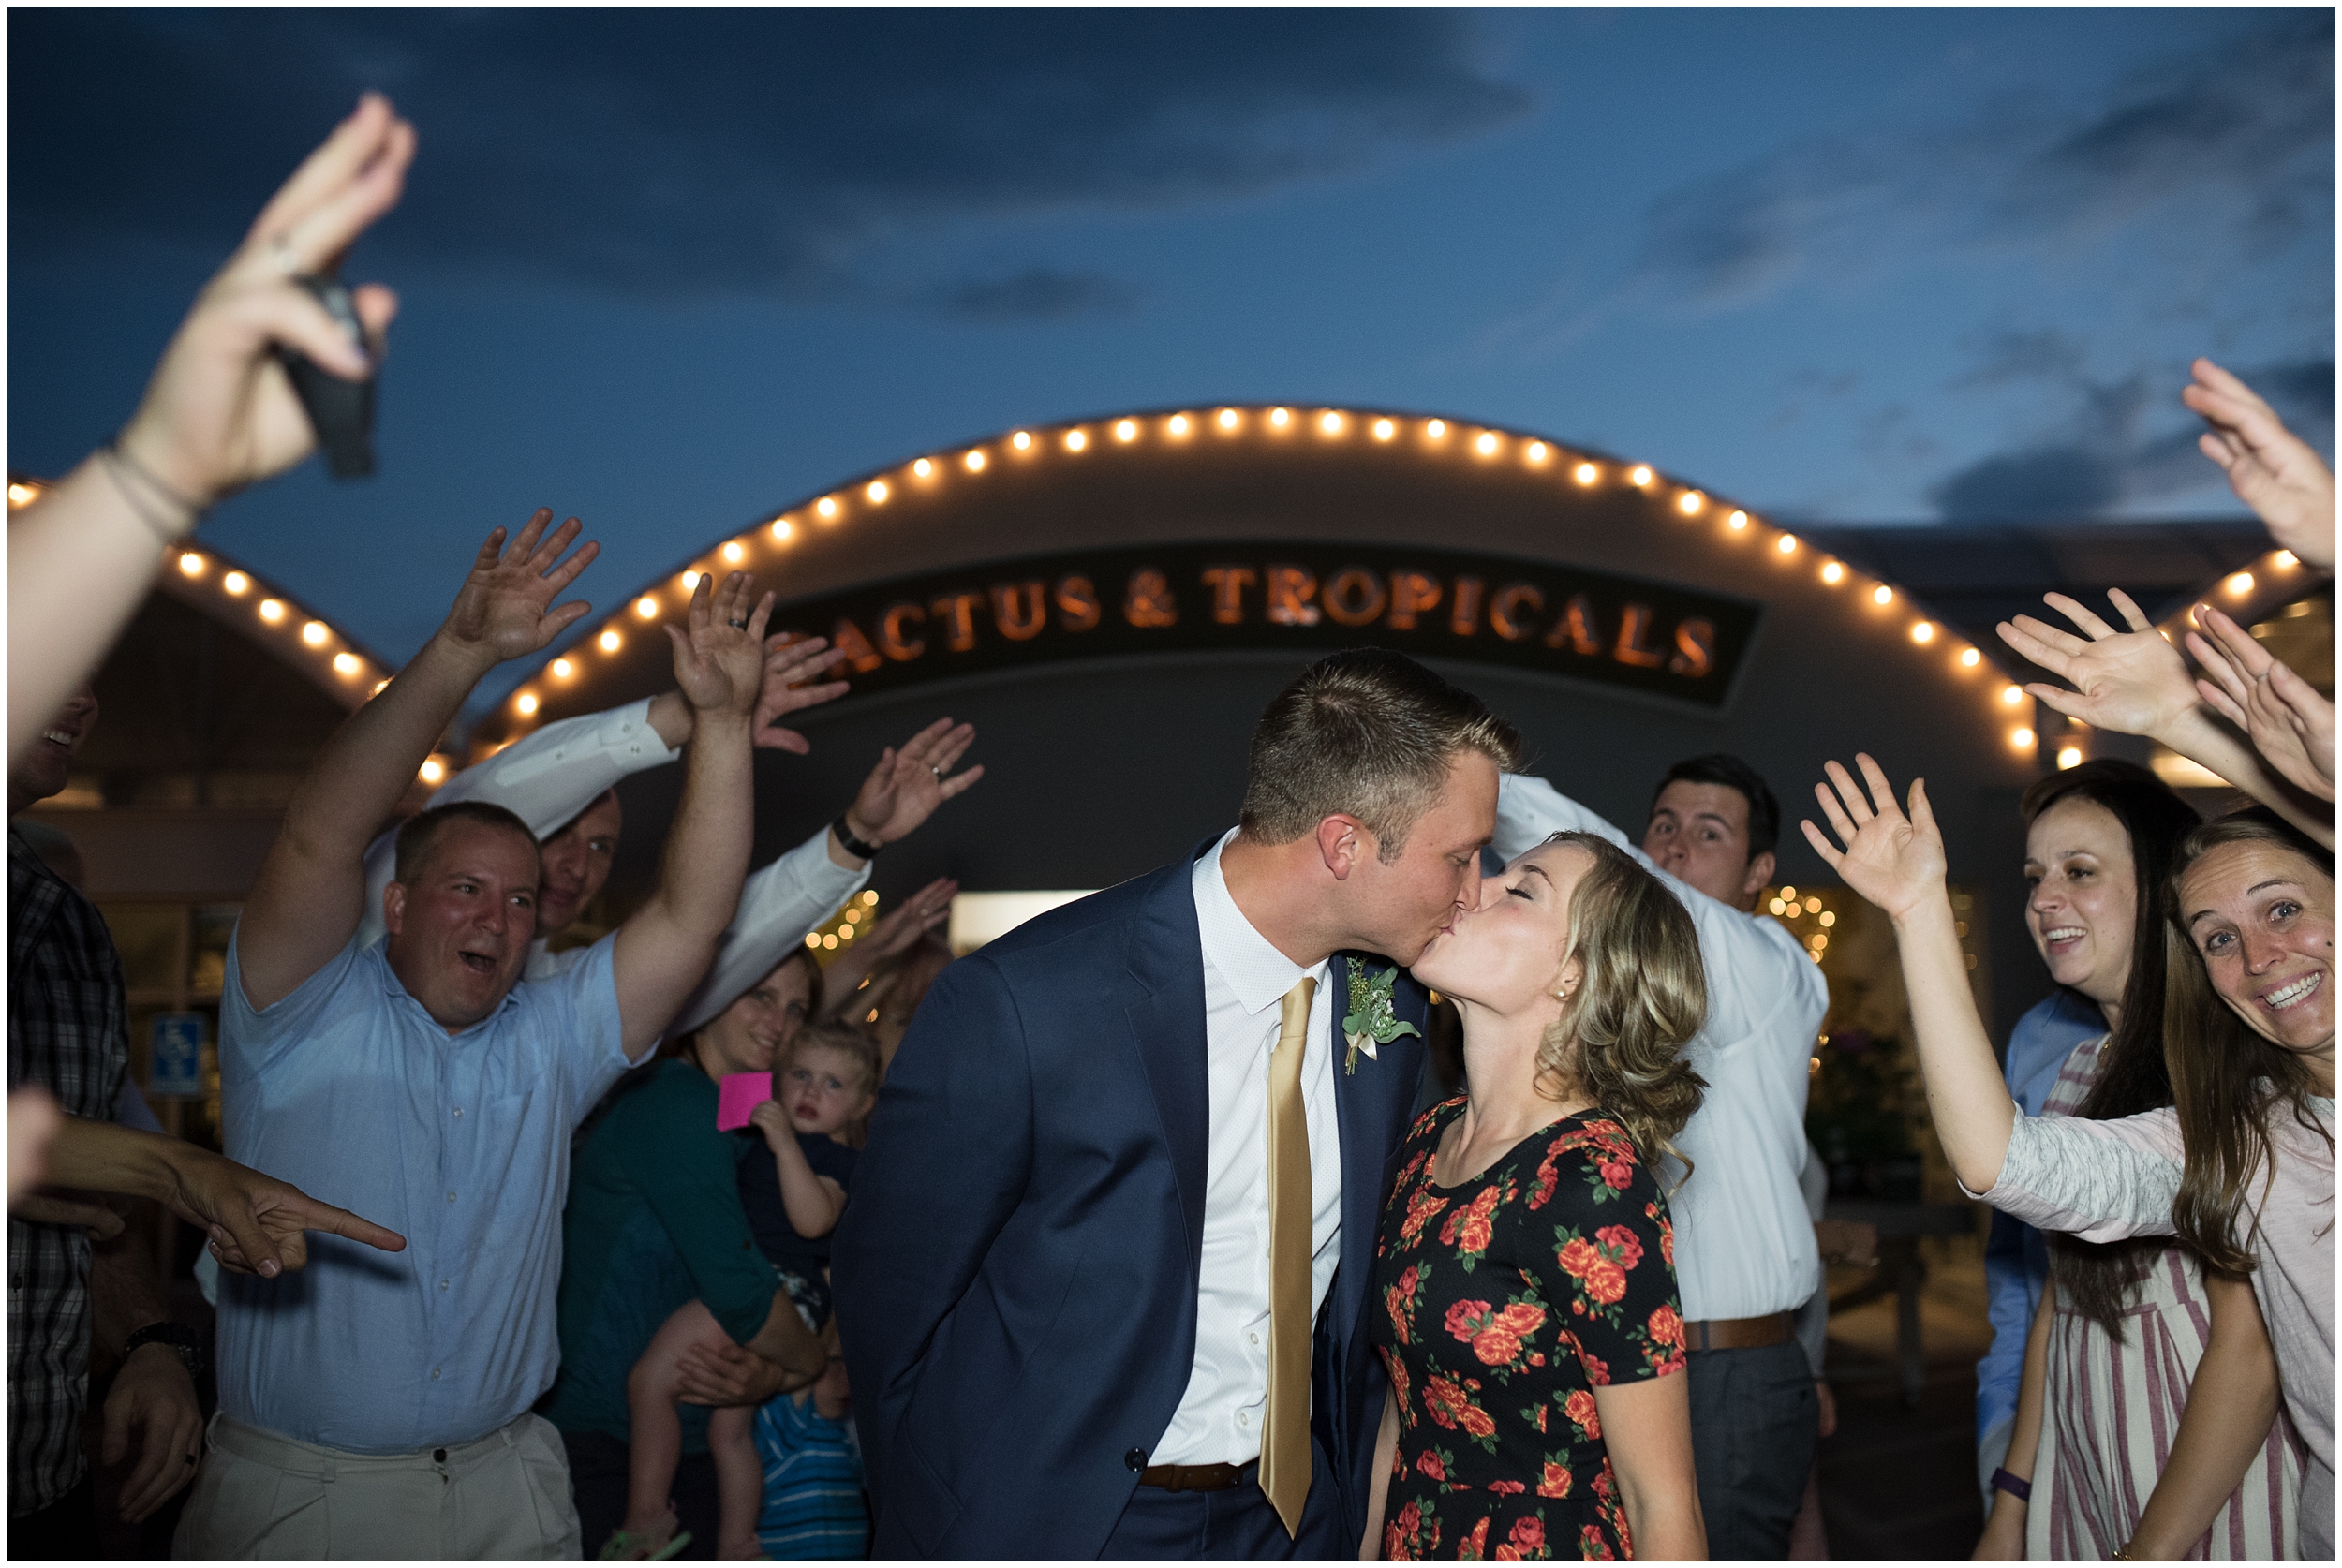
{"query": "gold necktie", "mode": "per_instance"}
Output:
(1284, 1450)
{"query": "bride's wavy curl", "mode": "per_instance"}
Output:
(1642, 997)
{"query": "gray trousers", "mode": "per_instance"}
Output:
(502, 1496)
(1754, 1426)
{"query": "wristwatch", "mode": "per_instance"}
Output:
(861, 848)
(181, 1340)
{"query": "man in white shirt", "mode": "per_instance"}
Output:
(562, 780)
(1082, 1318)
(1745, 1257)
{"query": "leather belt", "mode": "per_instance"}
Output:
(1198, 1478)
(1774, 1329)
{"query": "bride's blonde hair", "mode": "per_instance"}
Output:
(1641, 996)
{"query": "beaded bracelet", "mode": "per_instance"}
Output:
(117, 461)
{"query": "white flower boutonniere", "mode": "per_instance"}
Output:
(1370, 1022)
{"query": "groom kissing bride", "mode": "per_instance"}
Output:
(1108, 1279)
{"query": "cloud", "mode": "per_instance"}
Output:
(1035, 294)
(2100, 457)
(729, 151)
(2235, 147)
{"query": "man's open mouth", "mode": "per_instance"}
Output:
(478, 963)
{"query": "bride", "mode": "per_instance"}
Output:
(1525, 1302)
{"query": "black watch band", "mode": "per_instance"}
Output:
(2015, 1487)
(860, 848)
(173, 1334)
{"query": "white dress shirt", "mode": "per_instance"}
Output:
(1743, 1240)
(1245, 982)
(548, 777)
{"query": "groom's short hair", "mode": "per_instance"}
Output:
(1368, 732)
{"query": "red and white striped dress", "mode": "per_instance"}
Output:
(2113, 1409)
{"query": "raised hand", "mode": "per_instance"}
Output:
(2133, 683)
(719, 662)
(907, 922)
(2271, 470)
(790, 666)
(221, 411)
(907, 786)
(1896, 862)
(501, 612)
(2291, 726)
(771, 1120)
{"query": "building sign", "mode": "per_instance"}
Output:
(1303, 597)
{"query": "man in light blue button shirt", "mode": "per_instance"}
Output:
(381, 1407)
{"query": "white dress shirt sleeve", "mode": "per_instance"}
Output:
(778, 906)
(545, 779)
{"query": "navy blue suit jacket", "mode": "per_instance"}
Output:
(1017, 1269)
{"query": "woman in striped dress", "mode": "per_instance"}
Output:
(2108, 1450)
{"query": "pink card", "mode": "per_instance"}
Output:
(737, 1094)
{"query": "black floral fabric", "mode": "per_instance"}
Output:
(1502, 1303)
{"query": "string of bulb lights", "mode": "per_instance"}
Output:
(1433, 437)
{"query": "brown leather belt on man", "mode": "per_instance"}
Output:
(1772, 1328)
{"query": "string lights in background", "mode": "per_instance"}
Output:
(1183, 429)
(840, 930)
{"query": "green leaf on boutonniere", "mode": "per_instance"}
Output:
(1370, 1022)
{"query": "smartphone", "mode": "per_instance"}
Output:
(341, 412)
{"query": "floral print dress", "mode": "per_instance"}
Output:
(1501, 1304)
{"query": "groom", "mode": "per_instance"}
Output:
(1102, 1281)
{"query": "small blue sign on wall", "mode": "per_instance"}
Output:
(175, 1057)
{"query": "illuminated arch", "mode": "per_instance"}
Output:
(1224, 472)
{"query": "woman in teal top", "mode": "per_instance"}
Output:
(654, 1221)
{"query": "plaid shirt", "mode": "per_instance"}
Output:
(69, 1032)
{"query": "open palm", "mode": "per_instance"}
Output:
(1892, 860)
(501, 610)
(2131, 682)
(719, 655)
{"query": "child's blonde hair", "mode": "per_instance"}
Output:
(848, 1039)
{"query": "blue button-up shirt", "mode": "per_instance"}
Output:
(461, 1144)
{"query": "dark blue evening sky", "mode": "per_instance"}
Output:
(671, 270)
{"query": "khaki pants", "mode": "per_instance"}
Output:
(505, 1495)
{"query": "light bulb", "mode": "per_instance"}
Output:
(974, 461)
(1586, 473)
(1436, 429)
(2069, 757)
(923, 467)
(826, 506)
(876, 490)
(690, 580)
(734, 554)
(271, 610)
(1126, 430)
(525, 703)
(611, 641)
(1833, 573)
(433, 770)
(315, 633)
(191, 564)
(235, 581)
(2241, 583)
(2020, 737)
(1924, 632)
(564, 669)
(1970, 658)
(1330, 423)
(1640, 475)
(1021, 441)
(2011, 695)
(781, 530)
(1076, 440)
(1537, 451)
(1689, 502)
(1486, 444)
(1786, 544)
(1384, 430)
(1279, 416)
(646, 607)
(1228, 419)
(346, 664)
(1882, 595)
(1179, 425)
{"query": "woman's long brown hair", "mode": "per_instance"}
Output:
(2097, 1278)
(2227, 1081)
(1642, 997)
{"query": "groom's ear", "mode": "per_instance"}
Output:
(1343, 840)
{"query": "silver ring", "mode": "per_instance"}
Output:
(737, 625)
(281, 254)
(937, 772)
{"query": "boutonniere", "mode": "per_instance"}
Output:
(1370, 1021)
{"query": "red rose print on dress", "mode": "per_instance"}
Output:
(1403, 1537)
(1468, 1230)
(1580, 1409)
(1474, 1547)
(1592, 1547)
(1421, 1206)
(1622, 1243)
(1526, 1544)
(1555, 1480)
